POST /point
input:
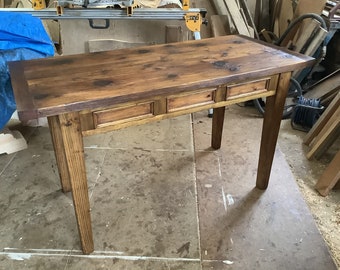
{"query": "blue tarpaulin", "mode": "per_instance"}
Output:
(22, 37)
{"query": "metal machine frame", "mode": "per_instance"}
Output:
(194, 17)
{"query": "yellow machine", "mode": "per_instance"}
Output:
(193, 17)
(38, 4)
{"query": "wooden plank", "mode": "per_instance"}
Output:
(249, 19)
(330, 176)
(312, 46)
(100, 45)
(285, 16)
(316, 42)
(326, 136)
(328, 84)
(150, 3)
(236, 16)
(329, 97)
(250, 29)
(329, 141)
(309, 6)
(307, 36)
(220, 7)
(220, 25)
(303, 7)
(319, 125)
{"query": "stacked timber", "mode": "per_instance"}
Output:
(323, 134)
(235, 16)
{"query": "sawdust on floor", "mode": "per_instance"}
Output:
(326, 210)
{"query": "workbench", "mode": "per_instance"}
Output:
(87, 94)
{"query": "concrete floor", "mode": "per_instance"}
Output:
(325, 210)
(160, 199)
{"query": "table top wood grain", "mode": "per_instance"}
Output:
(51, 86)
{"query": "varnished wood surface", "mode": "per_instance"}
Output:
(74, 154)
(270, 130)
(103, 91)
(59, 150)
(47, 87)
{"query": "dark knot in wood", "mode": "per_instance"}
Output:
(226, 65)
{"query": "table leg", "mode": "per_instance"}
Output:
(217, 127)
(270, 130)
(74, 153)
(58, 145)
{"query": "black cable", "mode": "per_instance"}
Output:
(295, 82)
(299, 19)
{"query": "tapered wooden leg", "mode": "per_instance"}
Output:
(270, 130)
(74, 153)
(58, 145)
(217, 127)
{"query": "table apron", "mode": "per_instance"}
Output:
(159, 108)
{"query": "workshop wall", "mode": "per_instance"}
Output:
(77, 36)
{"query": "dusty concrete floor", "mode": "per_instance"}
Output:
(325, 210)
(162, 199)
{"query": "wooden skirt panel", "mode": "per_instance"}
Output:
(170, 106)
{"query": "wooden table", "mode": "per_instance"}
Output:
(93, 93)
